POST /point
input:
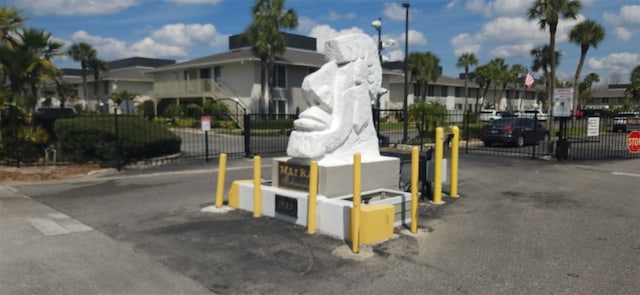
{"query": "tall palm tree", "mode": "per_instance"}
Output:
(97, 65)
(83, 52)
(483, 78)
(266, 39)
(542, 61)
(515, 72)
(10, 22)
(585, 85)
(585, 34)
(424, 68)
(499, 71)
(548, 12)
(466, 60)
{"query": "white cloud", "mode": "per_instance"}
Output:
(507, 51)
(507, 29)
(305, 24)
(616, 62)
(498, 7)
(334, 16)
(170, 41)
(189, 35)
(108, 48)
(322, 33)
(415, 38)
(395, 11)
(453, 4)
(213, 2)
(463, 43)
(395, 55)
(623, 33)
(76, 7)
(628, 16)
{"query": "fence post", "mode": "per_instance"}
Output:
(115, 115)
(535, 134)
(247, 136)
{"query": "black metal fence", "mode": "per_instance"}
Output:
(118, 140)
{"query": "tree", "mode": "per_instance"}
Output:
(28, 61)
(483, 78)
(548, 12)
(10, 22)
(585, 34)
(633, 90)
(64, 90)
(83, 53)
(542, 61)
(466, 60)
(97, 65)
(424, 68)
(266, 39)
(499, 71)
(515, 72)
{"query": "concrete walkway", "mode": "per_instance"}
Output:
(44, 251)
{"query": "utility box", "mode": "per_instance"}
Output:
(376, 223)
(431, 170)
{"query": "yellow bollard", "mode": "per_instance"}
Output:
(355, 210)
(313, 192)
(222, 166)
(257, 187)
(437, 174)
(415, 160)
(455, 143)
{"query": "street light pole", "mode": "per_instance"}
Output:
(405, 116)
(377, 24)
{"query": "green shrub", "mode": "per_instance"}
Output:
(193, 110)
(146, 109)
(186, 122)
(93, 139)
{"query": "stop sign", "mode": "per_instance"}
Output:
(633, 141)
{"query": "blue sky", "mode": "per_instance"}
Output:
(187, 29)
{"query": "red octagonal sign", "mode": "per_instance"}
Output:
(633, 141)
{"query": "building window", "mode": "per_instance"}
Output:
(280, 76)
(105, 85)
(605, 100)
(205, 73)
(217, 73)
(431, 90)
(458, 92)
(458, 106)
(444, 91)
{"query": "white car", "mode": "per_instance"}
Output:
(489, 115)
(542, 116)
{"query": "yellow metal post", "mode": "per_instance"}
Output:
(313, 192)
(355, 209)
(437, 174)
(455, 143)
(257, 175)
(415, 159)
(222, 166)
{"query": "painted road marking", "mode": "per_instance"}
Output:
(626, 174)
(57, 224)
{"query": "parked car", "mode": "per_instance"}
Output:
(620, 120)
(542, 116)
(488, 115)
(513, 131)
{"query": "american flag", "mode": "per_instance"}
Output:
(528, 80)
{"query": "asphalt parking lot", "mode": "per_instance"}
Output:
(520, 227)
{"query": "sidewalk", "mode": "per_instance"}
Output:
(44, 251)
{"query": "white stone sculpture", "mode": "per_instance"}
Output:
(339, 121)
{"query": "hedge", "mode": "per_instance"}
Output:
(93, 139)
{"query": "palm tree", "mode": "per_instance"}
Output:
(483, 78)
(516, 71)
(542, 61)
(28, 61)
(586, 34)
(633, 90)
(466, 60)
(97, 65)
(266, 39)
(499, 71)
(10, 22)
(83, 53)
(424, 68)
(43, 49)
(64, 90)
(548, 12)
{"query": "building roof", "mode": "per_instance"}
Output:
(290, 56)
(608, 93)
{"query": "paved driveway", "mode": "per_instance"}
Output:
(520, 227)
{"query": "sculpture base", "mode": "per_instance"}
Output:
(336, 179)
